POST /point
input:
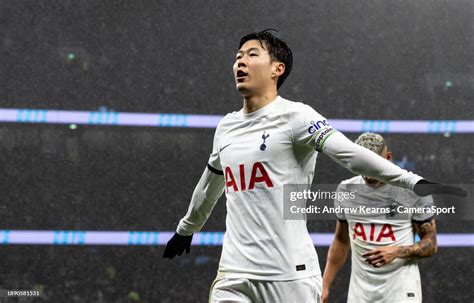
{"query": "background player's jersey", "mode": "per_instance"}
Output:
(258, 153)
(398, 281)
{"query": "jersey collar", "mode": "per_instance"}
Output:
(261, 112)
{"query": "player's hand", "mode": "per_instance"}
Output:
(177, 245)
(325, 295)
(381, 256)
(425, 188)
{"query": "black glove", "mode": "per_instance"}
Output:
(176, 246)
(425, 188)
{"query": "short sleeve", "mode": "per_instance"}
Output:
(214, 163)
(309, 127)
(425, 203)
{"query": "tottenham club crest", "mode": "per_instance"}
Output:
(263, 146)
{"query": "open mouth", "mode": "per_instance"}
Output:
(241, 76)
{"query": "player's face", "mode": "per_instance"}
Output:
(253, 70)
(373, 182)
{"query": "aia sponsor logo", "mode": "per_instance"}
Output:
(258, 175)
(367, 232)
(315, 126)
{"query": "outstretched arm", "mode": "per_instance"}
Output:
(337, 256)
(362, 161)
(205, 196)
(425, 248)
(310, 128)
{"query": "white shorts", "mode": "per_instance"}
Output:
(233, 290)
(400, 286)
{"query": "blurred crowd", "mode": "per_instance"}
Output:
(138, 274)
(115, 178)
(139, 57)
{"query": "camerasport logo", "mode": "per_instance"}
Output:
(315, 126)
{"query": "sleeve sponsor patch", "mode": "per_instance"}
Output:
(315, 126)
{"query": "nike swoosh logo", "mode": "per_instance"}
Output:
(222, 148)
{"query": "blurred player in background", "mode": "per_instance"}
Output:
(384, 266)
(270, 142)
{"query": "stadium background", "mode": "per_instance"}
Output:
(389, 60)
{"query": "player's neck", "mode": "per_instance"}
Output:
(256, 102)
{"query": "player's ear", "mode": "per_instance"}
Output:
(389, 156)
(278, 69)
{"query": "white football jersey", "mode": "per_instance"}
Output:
(398, 281)
(258, 153)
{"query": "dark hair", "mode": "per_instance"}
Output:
(277, 48)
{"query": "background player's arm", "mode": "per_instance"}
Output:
(425, 248)
(337, 256)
